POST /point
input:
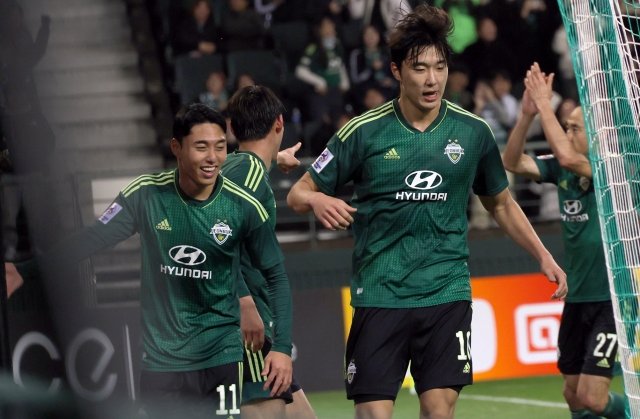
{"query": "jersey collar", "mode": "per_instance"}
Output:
(196, 202)
(251, 153)
(432, 126)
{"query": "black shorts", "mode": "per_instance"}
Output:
(209, 393)
(382, 341)
(587, 341)
(253, 381)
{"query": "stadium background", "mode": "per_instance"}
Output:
(89, 88)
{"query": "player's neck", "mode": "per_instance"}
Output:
(193, 189)
(261, 148)
(418, 118)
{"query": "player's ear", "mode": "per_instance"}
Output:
(175, 147)
(279, 124)
(396, 72)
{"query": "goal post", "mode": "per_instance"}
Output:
(604, 38)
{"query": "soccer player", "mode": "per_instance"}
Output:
(587, 341)
(192, 222)
(257, 123)
(413, 161)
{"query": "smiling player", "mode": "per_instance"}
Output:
(413, 161)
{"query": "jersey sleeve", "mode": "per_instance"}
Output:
(549, 167)
(491, 178)
(337, 164)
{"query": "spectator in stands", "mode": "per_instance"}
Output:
(501, 85)
(322, 67)
(242, 28)
(244, 80)
(567, 77)
(216, 95)
(267, 7)
(370, 67)
(487, 53)
(373, 98)
(464, 24)
(489, 107)
(383, 14)
(456, 90)
(195, 33)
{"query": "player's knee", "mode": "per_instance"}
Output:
(442, 410)
(570, 395)
(593, 402)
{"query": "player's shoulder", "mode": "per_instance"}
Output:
(150, 183)
(462, 116)
(368, 123)
(240, 196)
(244, 169)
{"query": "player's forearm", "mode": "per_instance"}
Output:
(281, 306)
(556, 137)
(515, 145)
(514, 222)
(299, 197)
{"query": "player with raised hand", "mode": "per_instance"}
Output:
(587, 342)
(192, 222)
(412, 162)
(258, 125)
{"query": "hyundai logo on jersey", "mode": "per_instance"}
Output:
(187, 255)
(423, 180)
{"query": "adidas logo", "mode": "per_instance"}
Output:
(392, 154)
(603, 363)
(163, 225)
(467, 368)
(563, 185)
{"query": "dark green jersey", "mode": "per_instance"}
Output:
(330, 71)
(189, 304)
(584, 254)
(411, 192)
(248, 171)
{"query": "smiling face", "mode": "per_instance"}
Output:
(576, 132)
(200, 157)
(422, 82)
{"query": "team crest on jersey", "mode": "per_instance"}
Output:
(454, 151)
(351, 371)
(584, 183)
(221, 232)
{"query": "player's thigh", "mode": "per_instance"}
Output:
(253, 381)
(214, 392)
(438, 403)
(377, 353)
(160, 393)
(572, 339)
(602, 342)
(300, 408)
(593, 391)
(263, 409)
(440, 347)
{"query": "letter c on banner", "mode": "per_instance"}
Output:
(83, 337)
(30, 339)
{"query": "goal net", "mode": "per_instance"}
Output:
(604, 37)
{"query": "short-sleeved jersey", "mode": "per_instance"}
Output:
(190, 309)
(411, 192)
(247, 170)
(584, 253)
(330, 71)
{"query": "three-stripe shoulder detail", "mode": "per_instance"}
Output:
(159, 179)
(458, 109)
(366, 117)
(255, 175)
(233, 188)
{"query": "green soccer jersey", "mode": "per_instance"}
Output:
(249, 171)
(189, 305)
(411, 192)
(584, 254)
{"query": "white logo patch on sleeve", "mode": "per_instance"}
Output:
(322, 160)
(110, 213)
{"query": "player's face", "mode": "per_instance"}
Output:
(576, 132)
(200, 157)
(422, 82)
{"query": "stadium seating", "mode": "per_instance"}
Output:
(192, 73)
(291, 38)
(262, 66)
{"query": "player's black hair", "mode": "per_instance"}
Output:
(253, 111)
(193, 115)
(425, 27)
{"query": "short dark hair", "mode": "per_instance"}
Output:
(425, 27)
(196, 114)
(253, 111)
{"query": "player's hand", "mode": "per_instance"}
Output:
(251, 325)
(550, 268)
(539, 85)
(14, 279)
(333, 213)
(287, 160)
(278, 367)
(528, 106)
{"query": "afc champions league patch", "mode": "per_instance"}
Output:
(221, 232)
(454, 151)
(322, 160)
(110, 213)
(351, 371)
